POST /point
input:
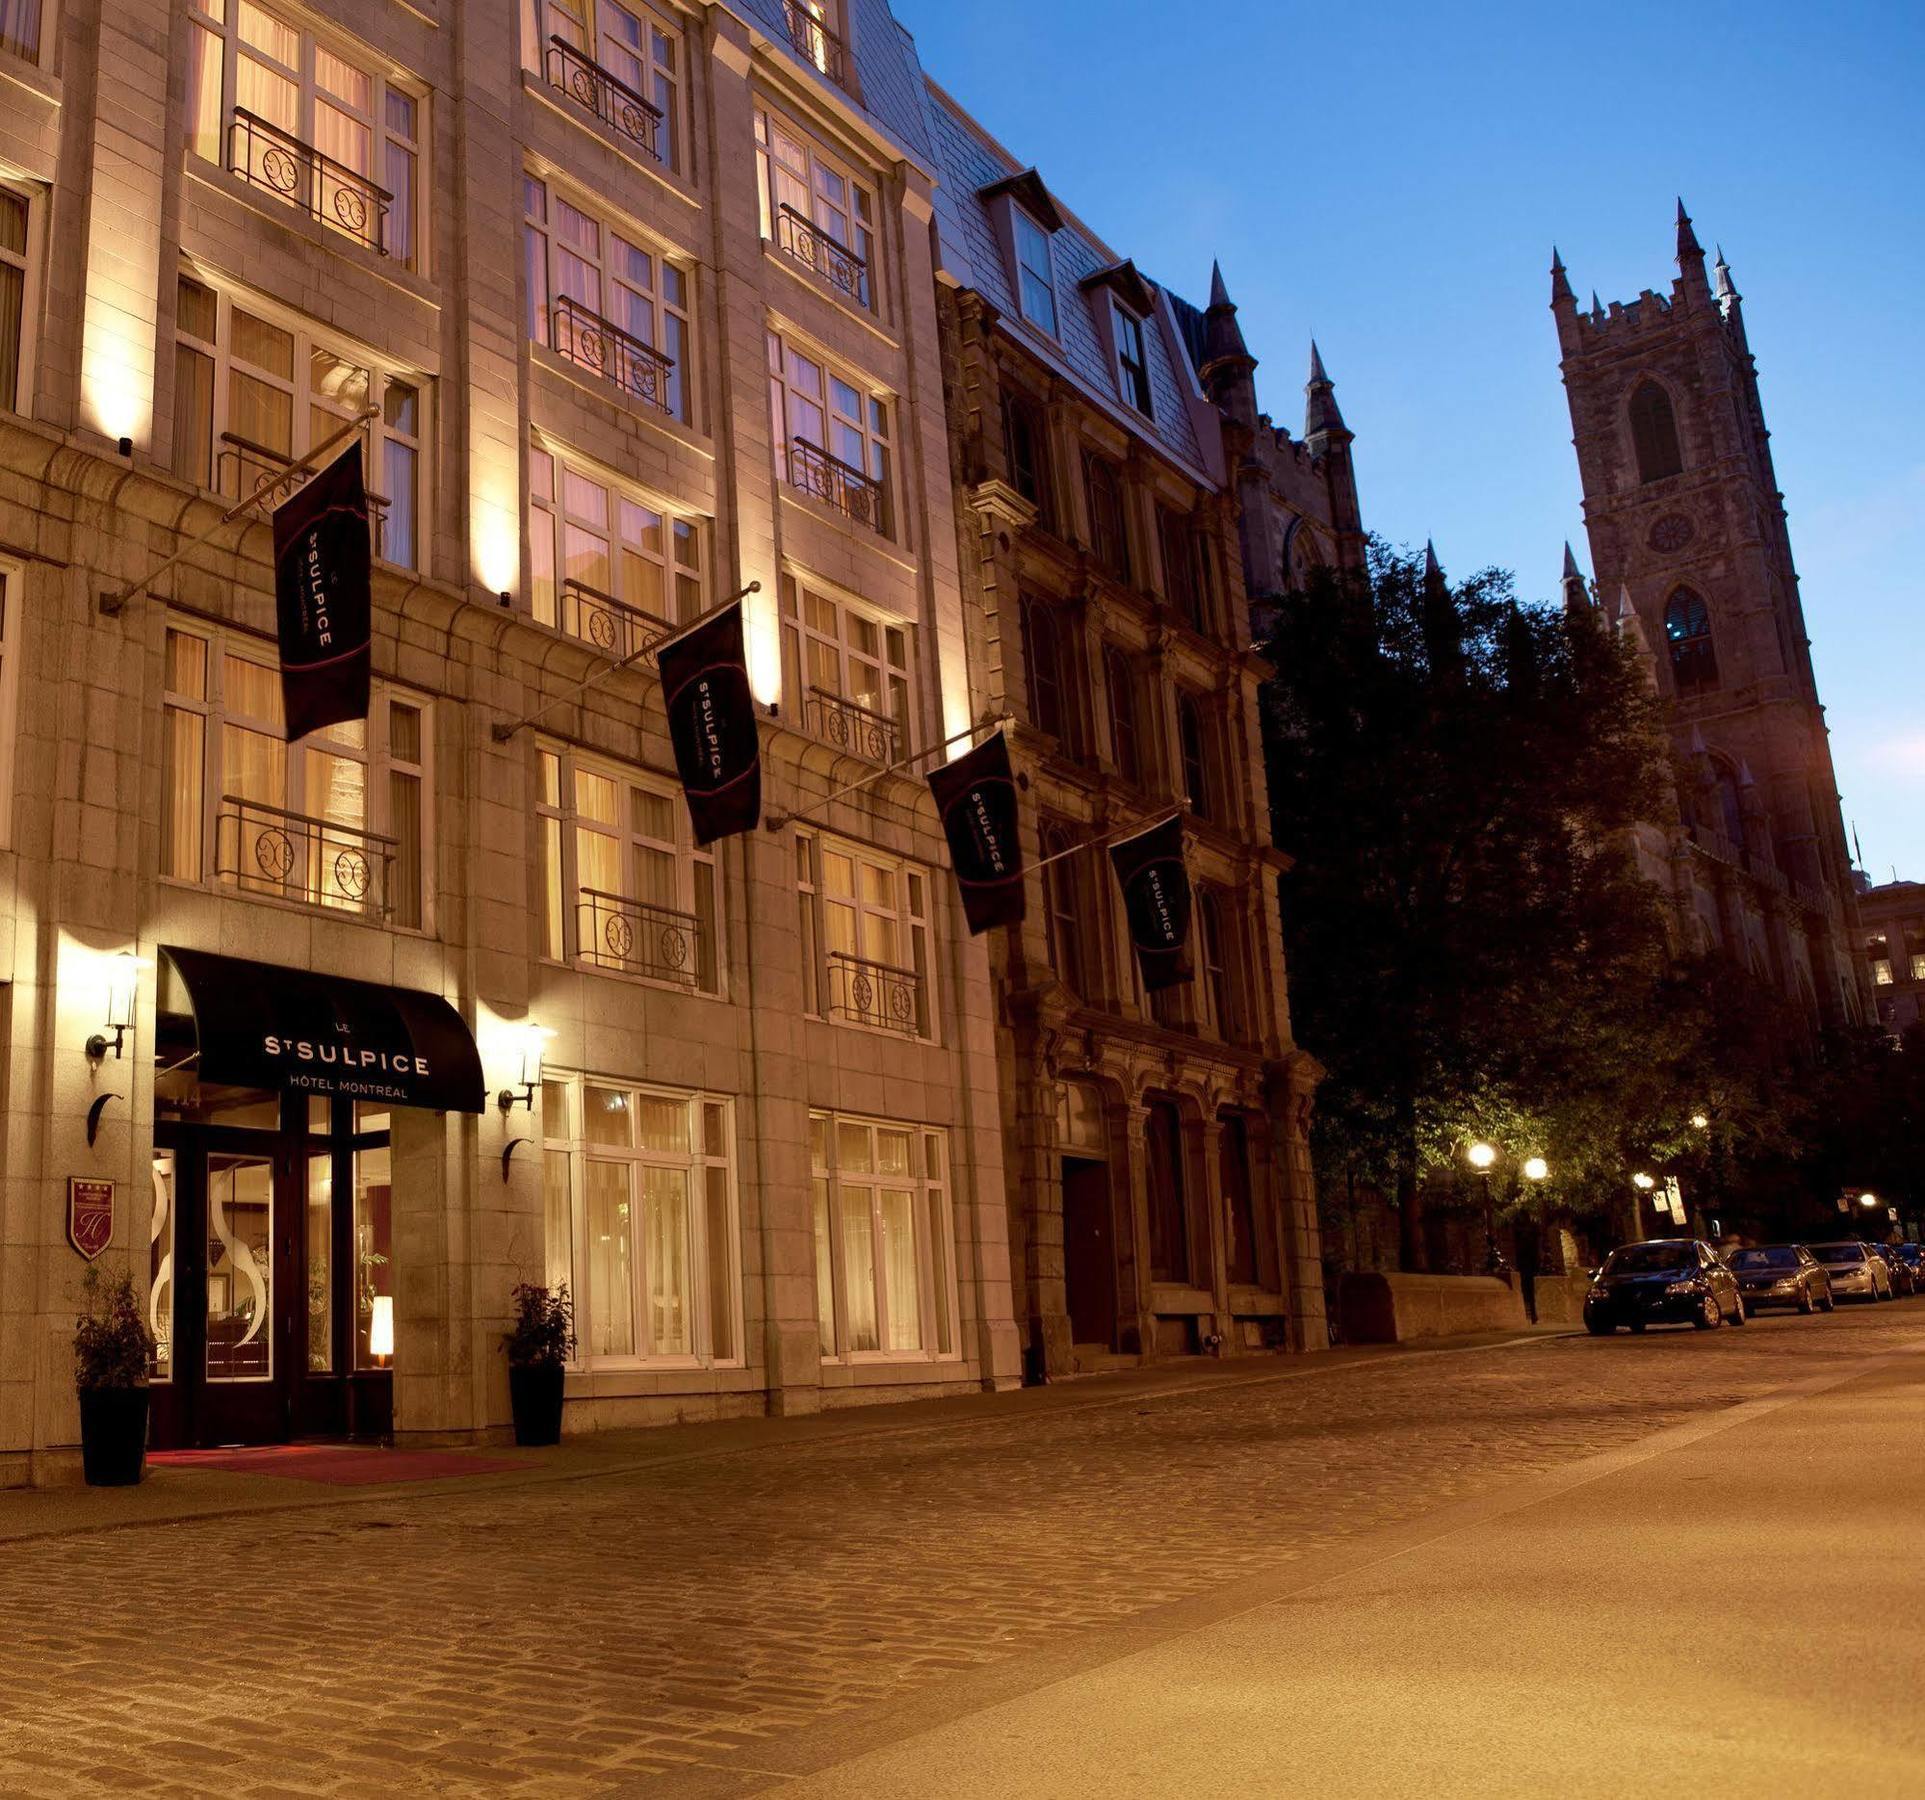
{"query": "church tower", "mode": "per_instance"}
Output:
(1690, 551)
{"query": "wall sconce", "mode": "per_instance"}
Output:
(533, 1039)
(381, 1327)
(123, 992)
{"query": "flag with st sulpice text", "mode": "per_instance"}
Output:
(976, 800)
(1156, 900)
(323, 575)
(712, 724)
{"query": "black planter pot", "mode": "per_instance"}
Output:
(534, 1389)
(113, 1435)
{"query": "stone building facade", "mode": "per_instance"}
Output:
(1692, 560)
(1891, 921)
(1160, 1198)
(639, 302)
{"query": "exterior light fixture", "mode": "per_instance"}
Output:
(533, 1039)
(1643, 1182)
(1535, 1168)
(123, 993)
(381, 1327)
(1480, 1155)
(1699, 1122)
(1867, 1200)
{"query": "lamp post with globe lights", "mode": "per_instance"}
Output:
(1482, 1157)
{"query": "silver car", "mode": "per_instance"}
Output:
(1857, 1272)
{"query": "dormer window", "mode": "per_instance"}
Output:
(1132, 361)
(1024, 219)
(1122, 300)
(1035, 275)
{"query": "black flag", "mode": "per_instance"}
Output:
(322, 577)
(1156, 896)
(711, 721)
(976, 798)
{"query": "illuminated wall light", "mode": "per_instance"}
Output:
(762, 644)
(117, 372)
(381, 1327)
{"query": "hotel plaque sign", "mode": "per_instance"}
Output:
(90, 1214)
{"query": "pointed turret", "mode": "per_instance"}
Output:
(1222, 335)
(1721, 281)
(1627, 621)
(1690, 254)
(1560, 281)
(1577, 594)
(1597, 308)
(1321, 417)
(1563, 304)
(1443, 630)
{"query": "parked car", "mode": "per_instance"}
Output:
(1857, 1272)
(1676, 1281)
(1904, 1283)
(1781, 1275)
(1913, 1257)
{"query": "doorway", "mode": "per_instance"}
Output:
(1089, 1252)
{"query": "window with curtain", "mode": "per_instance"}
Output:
(340, 819)
(625, 888)
(20, 22)
(832, 434)
(1687, 634)
(265, 94)
(634, 43)
(1126, 736)
(255, 388)
(1109, 539)
(15, 217)
(865, 931)
(815, 209)
(884, 1239)
(640, 1213)
(849, 668)
(1654, 433)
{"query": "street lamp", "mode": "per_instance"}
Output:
(1481, 1157)
(1867, 1200)
(1535, 1168)
(1699, 1122)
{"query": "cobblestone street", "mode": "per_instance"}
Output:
(651, 1627)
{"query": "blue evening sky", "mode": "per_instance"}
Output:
(1392, 176)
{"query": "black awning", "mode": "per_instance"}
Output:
(260, 1025)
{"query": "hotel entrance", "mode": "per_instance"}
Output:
(271, 1289)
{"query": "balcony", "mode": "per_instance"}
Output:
(614, 628)
(814, 42)
(267, 156)
(877, 994)
(850, 726)
(599, 345)
(801, 239)
(262, 849)
(853, 494)
(241, 463)
(617, 105)
(637, 937)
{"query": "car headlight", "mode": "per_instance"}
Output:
(1684, 1287)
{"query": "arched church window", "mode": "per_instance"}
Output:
(1687, 629)
(1654, 433)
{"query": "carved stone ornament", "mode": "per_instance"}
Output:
(1670, 534)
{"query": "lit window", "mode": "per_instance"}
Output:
(832, 434)
(1687, 631)
(15, 217)
(621, 62)
(1918, 965)
(341, 820)
(1881, 971)
(640, 1211)
(255, 389)
(865, 929)
(624, 886)
(1035, 273)
(1132, 360)
(849, 668)
(884, 1239)
(814, 210)
(20, 27)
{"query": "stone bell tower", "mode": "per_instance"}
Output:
(1691, 555)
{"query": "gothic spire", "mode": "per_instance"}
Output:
(1577, 596)
(1219, 294)
(1443, 629)
(1222, 335)
(1721, 271)
(1320, 412)
(1689, 249)
(1560, 282)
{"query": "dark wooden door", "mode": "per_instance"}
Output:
(1089, 1251)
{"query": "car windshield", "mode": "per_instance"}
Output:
(1641, 1259)
(1778, 1256)
(1838, 1253)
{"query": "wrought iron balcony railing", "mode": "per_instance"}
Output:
(602, 346)
(875, 993)
(264, 849)
(578, 75)
(851, 726)
(615, 628)
(638, 937)
(853, 494)
(241, 463)
(262, 153)
(814, 42)
(800, 237)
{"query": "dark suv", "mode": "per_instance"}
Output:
(1663, 1281)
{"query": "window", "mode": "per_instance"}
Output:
(1881, 971)
(1035, 274)
(623, 886)
(884, 1239)
(340, 820)
(1047, 672)
(1879, 949)
(608, 566)
(1654, 433)
(15, 216)
(865, 936)
(811, 37)
(1132, 359)
(832, 435)
(1169, 1224)
(1249, 1255)
(1065, 914)
(255, 389)
(1026, 450)
(1109, 541)
(605, 302)
(20, 27)
(1918, 965)
(1198, 769)
(621, 62)
(638, 1187)
(814, 210)
(1187, 581)
(850, 668)
(308, 121)
(1219, 937)
(1687, 630)
(1126, 738)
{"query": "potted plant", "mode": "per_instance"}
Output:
(538, 1351)
(113, 1350)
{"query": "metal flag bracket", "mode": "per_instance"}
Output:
(776, 821)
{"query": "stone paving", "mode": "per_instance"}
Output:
(603, 1635)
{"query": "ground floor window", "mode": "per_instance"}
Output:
(640, 1205)
(884, 1238)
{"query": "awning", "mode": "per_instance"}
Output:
(260, 1025)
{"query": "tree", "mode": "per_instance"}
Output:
(1459, 780)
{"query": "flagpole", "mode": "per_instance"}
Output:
(1101, 838)
(502, 733)
(111, 604)
(776, 821)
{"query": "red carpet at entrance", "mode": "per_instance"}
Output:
(343, 1465)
